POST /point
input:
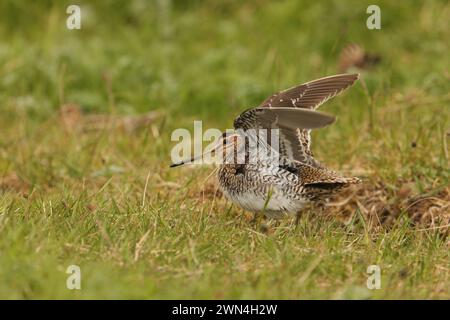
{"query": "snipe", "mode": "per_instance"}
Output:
(283, 177)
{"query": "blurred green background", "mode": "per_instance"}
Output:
(208, 58)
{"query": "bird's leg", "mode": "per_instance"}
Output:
(260, 222)
(265, 227)
(256, 218)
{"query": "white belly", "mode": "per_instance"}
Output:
(276, 207)
(247, 191)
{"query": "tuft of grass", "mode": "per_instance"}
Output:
(105, 199)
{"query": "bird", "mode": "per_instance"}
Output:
(277, 175)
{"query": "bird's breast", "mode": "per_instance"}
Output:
(258, 190)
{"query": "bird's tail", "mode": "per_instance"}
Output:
(352, 180)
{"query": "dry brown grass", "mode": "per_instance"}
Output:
(380, 204)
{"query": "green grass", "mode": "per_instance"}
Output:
(77, 197)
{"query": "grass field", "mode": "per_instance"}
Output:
(83, 182)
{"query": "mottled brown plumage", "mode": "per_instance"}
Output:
(276, 182)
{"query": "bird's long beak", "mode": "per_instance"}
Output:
(220, 149)
(190, 160)
(207, 153)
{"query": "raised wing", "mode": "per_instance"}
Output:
(295, 138)
(267, 118)
(312, 94)
(290, 122)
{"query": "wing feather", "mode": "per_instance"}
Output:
(312, 94)
(279, 111)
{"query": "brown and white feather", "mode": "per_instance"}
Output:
(295, 140)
